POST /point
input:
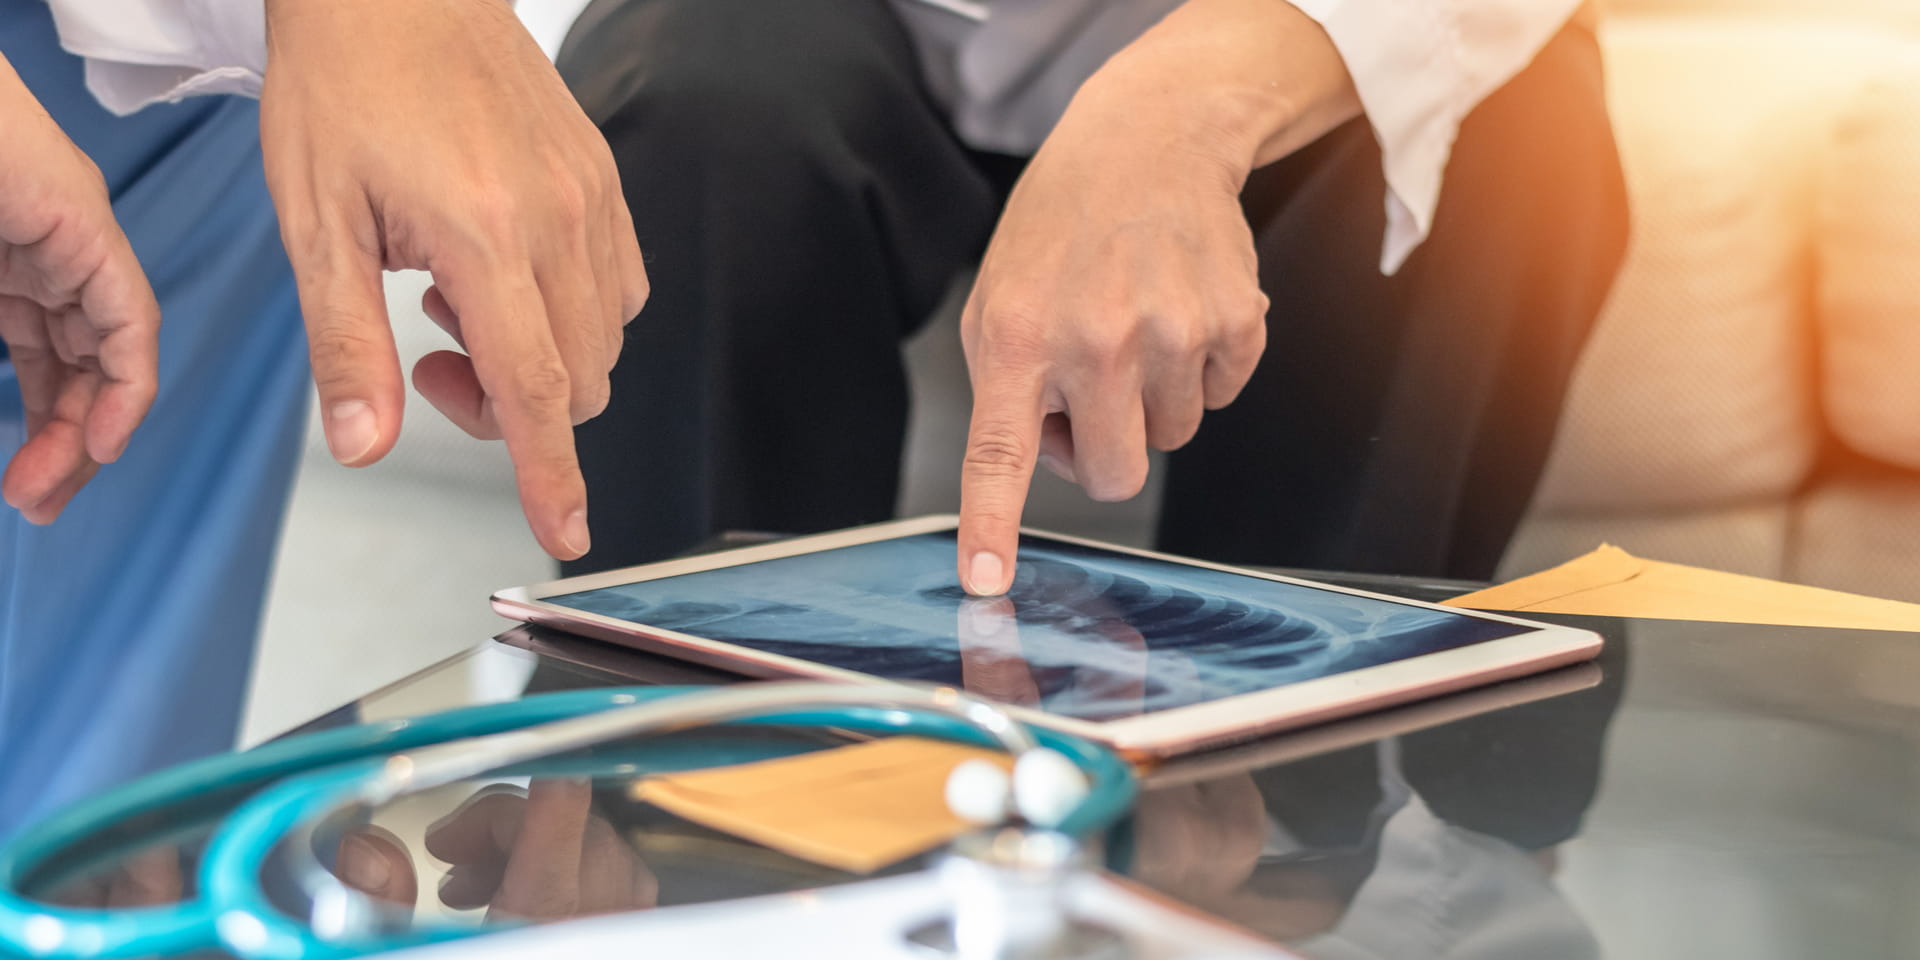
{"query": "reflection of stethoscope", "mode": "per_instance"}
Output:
(1061, 786)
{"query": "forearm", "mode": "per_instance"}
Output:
(1253, 80)
(1246, 81)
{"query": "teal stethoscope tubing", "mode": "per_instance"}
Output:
(232, 912)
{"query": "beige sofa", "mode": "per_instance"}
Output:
(1751, 397)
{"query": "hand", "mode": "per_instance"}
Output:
(433, 134)
(1119, 298)
(76, 313)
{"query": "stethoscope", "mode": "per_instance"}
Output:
(1061, 784)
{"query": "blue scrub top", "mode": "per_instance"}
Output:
(127, 626)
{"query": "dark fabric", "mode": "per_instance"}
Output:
(803, 208)
(804, 205)
(1399, 424)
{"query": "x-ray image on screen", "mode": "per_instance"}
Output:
(1084, 632)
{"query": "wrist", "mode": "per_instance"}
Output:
(1245, 81)
(286, 19)
(1135, 101)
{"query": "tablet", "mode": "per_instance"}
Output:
(1152, 654)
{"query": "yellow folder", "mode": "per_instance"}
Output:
(1610, 582)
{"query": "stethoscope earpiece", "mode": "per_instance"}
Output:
(1046, 787)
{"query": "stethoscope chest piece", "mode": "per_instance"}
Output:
(1010, 890)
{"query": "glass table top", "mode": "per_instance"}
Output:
(1703, 791)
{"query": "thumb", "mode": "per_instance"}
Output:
(355, 365)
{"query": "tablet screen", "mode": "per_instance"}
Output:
(1084, 632)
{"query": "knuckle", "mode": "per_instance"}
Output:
(640, 290)
(1242, 342)
(591, 400)
(996, 361)
(996, 453)
(1257, 305)
(1256, 336)
(1117, 484)
(90, 174)
(496, 215)
(1222, 389)
(1173, 436)
(543, 382)
(1005, 314)
(1245, 314)
(990, 510)
(570, 201)
(301, 234)
(1106, 348)
(606, 172)
(338, 347)
(616, 345)
(1176, 337)
(1011, 326)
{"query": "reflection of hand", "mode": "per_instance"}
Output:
(375, 862)
(539, 857)
(1202, 844)
(993, 663)
(1199, 841)
(150, 878)
(76, 313)
(433, 134)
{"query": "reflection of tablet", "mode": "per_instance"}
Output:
(1152, 654)
(1379, 725)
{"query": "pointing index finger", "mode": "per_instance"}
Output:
(1003, 442)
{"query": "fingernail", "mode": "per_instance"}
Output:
(984, 573)
(1060, 468)
(574, 536)
(351, 430)
(364, 867)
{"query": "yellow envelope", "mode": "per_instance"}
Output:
(856, 808)
(1610, 582)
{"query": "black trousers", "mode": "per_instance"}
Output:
(804, 206)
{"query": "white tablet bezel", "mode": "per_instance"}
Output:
(1160, 734)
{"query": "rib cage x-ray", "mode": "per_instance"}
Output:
(1104, 634)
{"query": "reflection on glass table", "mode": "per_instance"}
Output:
(1720, 791)
(1771, 774)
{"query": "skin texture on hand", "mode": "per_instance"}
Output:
(1119, 298)
(79, 320)
(434, 135)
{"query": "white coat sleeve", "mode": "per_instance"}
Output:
(139, 52)
(1420, 66)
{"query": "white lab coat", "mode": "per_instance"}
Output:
(1005, 68)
